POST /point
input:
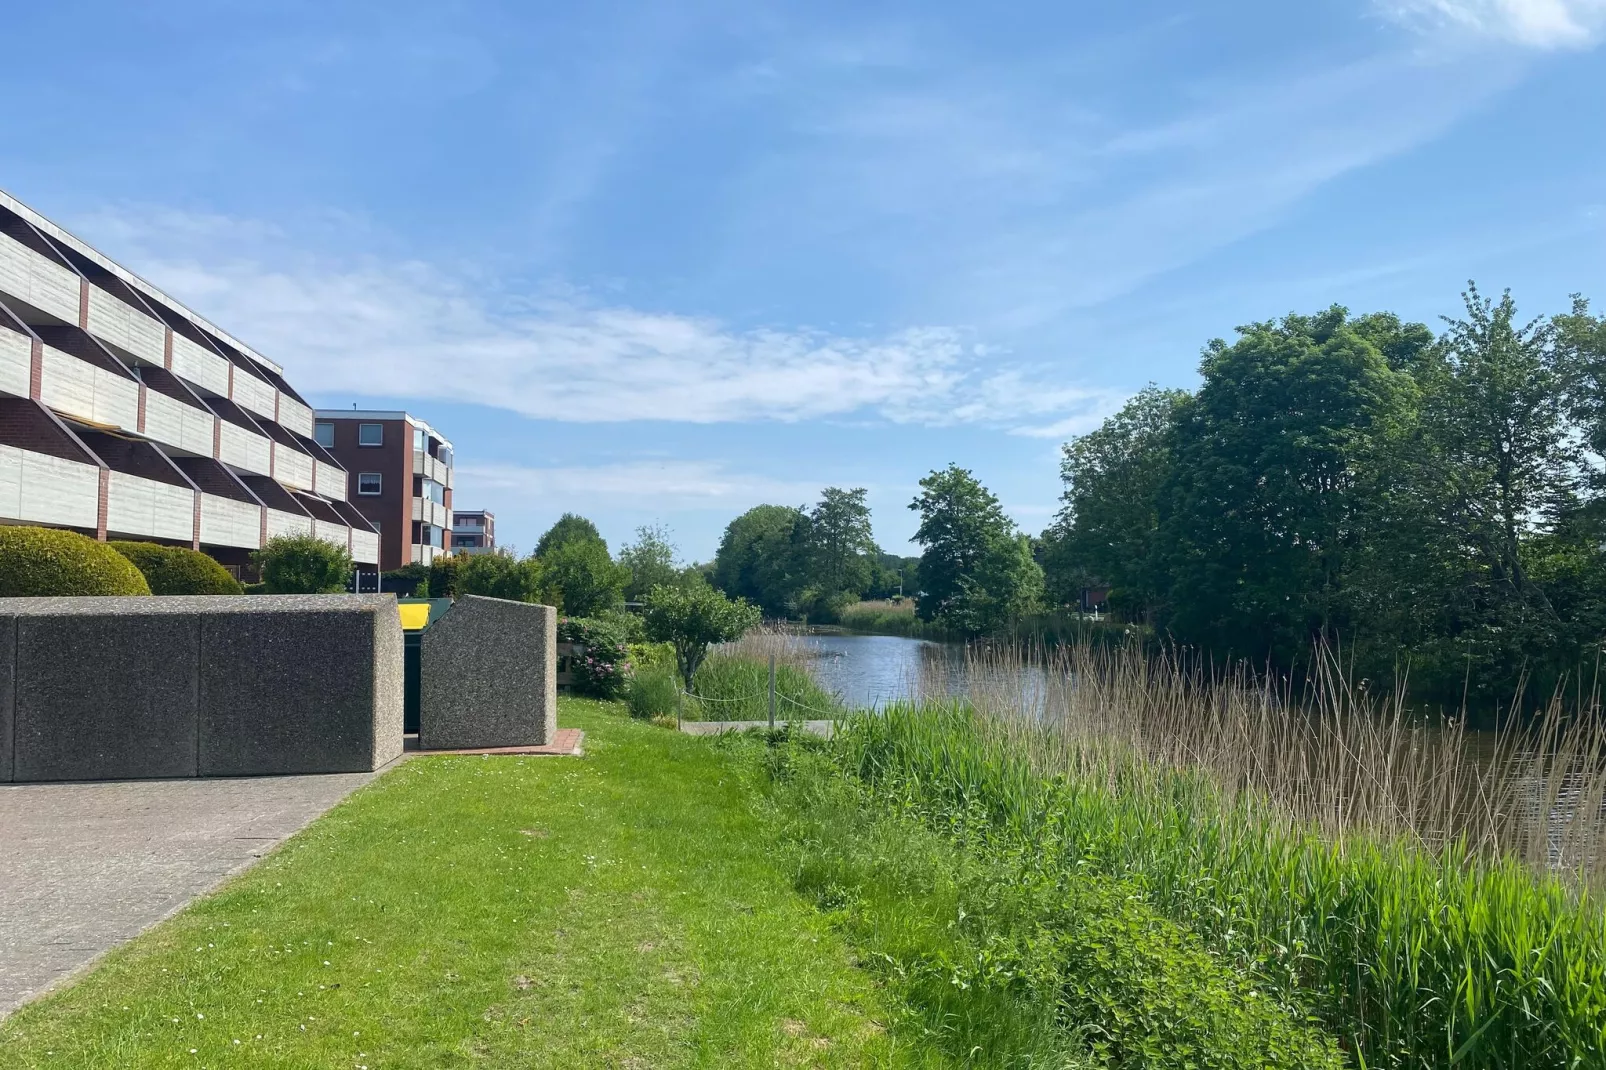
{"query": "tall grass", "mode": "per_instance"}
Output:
(1428, 894)
(887, 617)
(733, 683)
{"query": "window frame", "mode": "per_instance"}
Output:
(379, 484)
(318, 429)
(363, 427)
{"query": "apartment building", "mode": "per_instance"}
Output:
(473, 531)
(400, 479)
(125, 415)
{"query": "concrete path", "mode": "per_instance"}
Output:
(84, 867)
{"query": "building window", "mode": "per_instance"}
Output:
(418, 438)
(370, 434)
(370, 483)
(429, 488)
(324, 432)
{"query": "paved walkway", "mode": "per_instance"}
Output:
(84, 867)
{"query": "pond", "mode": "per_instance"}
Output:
(871, 670)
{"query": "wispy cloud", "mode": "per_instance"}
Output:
(1543, 24)
(640, 484)
(410, 329)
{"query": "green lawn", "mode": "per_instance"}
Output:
(621, 910)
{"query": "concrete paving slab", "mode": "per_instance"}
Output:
(87, 866)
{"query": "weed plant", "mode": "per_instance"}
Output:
(1429, 900)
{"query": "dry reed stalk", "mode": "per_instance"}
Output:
(1334, 755)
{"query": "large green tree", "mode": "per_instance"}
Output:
(1259, 506)
(840, 549)
(651, 561)
(570, 527)
(582, 578)
(758, 557)
(1105, 529)
(976, 570)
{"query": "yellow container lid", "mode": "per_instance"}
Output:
(414, 615)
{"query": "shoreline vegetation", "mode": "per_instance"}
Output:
(1320, 877)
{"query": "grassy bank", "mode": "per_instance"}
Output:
(1338, 858)
(621, 910)
(733, 684)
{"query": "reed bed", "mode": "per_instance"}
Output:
(733, 683)
(1429, 894)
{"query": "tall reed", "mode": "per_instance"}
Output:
(1428, 893)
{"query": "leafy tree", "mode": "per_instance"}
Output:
(693, 618)
(570, 527)
(1258, 508)
(758, 557)
(651, 561)
(303, 564)
(581, 578)
(975, 569)
(499, 574)
(1107, 522)
(840, 548)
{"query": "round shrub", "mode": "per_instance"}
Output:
(178, 569)
(48, 561)
(302, 564)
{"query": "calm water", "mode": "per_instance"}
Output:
(872, 670)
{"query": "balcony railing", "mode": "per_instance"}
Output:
(38, 280)
(120, 324)
(227, 522)
(36, 488)
(148, 509)
(200, 366)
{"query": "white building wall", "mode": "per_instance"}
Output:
(243, 449)
(252, 394)
(294, 415)
(124, 326)
(80, 389)
(16, 363)
(226, 522)
(200, 366)
(36, 488)
(365, 547)
(283, 523)
(139, 506)
(40, 281)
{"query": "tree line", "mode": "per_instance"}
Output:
(1432, 505)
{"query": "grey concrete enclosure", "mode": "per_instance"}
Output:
(122, 688)
(489, 676)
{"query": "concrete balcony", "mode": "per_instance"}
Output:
(37, 279)
(82, 380)
(430, 468)
(200, 366)
(231, 516)
(16, 360)
(432, 513)
(295, 416)
(292, 465)
(424, 555)
(364, 540)
(147, 497)
(240, 442)
(47, 476)
(285, 513)
(120, 324)
(327, 523)
(254, 395)
(330, 480)
(174, 415)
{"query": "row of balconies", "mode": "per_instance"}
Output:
(431, 468)
(158, 405)
(128, 488)
(62, 293)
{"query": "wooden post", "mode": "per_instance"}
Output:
(772, 693)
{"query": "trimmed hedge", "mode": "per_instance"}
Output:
(178, 569)
(49, 561)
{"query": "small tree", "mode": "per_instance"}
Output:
(303, 564)
(693, 618)
(651, 561)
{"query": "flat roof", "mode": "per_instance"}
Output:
(380, 414)
(83, 248)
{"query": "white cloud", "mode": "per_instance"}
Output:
(410, 329)
(1544, 24)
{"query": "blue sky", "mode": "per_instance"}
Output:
(663, 262)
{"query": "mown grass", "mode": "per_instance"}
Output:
(1411, 956)
(620, 910)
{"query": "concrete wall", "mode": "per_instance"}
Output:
(112, 688)
(489, 676)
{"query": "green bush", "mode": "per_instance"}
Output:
(602, 671)
(49, 561)
(652, 691)
(303, 564)
(498, 574)
(178, 569)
